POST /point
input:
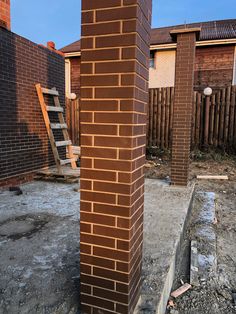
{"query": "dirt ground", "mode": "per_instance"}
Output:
(217, 295)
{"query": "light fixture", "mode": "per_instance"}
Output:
(207, 91)
(73, 96)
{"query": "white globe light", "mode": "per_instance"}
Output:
(207, 91)
(73, 96)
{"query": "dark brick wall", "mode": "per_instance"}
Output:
(214, 66)
(24, 145)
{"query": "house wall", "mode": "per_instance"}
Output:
(75, 75)
(24, 144)
(214, 66)
(163, 75)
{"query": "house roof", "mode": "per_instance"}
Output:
(213, 30)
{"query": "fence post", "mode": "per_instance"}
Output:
(184, 79)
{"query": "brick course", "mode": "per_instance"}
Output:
(183, 104)
(114, 94)
(24, 143)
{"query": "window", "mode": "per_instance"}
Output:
(152, 60)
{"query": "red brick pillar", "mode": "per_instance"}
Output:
(5, 14)
(114, 94)
(183, 103)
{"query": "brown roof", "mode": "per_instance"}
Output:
(74, 47)
(213, 30)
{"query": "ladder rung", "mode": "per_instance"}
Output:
(50, 91)
(55, 109)
(58, 126)
(67, 161)
(63, 143)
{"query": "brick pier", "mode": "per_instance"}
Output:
(183, 104)
(5, 14)
(114, 94)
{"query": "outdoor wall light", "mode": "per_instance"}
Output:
(207, 91)
(72, 96)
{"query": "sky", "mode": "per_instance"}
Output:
(59, 20)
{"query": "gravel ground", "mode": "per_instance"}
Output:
(216, 296)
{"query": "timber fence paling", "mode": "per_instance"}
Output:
(213, 120)
(73, 120)
(159, 117)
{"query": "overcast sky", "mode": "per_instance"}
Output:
(59, 20)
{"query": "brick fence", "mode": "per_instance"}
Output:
(23, 137)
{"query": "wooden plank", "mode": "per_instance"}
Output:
(47, 124)
(172, 92)
(148, 120)
(207, 112)
(52, 92)
(202, 115)
(54, 109)
(226, 120)
(194, 119)
(63, 143)
(67, 161)
(167, 118)
(77, 105)
(212, 177)
(150, 117)
(58, 126)
(212, 116)
(159, 117)
(163, 110)
(155, 105)
(232, 116)
(198, 119)
(222, 117)
(217, 119)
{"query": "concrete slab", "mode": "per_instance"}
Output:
(39, 249)
(166, 209)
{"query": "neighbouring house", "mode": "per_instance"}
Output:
(24, 142)
(215, 57)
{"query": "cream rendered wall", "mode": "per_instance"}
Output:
(164, 73)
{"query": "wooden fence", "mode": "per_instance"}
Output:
(73, 120)
(213, 123)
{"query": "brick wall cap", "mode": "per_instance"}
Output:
(176, 32)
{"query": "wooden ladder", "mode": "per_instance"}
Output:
(56, 126)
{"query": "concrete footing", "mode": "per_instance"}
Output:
(166, 211)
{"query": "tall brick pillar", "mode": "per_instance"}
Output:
(5, 14)
(114, 94)
(183, 103)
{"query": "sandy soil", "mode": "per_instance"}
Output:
(214, 297)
